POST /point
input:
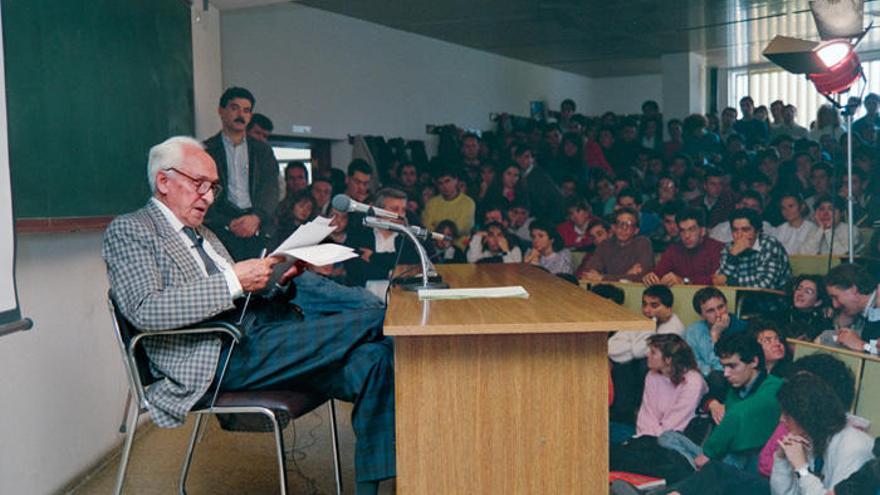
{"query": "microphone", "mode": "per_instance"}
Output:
(343, 203)
(420, 232)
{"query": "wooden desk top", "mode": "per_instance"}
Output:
(553, 306)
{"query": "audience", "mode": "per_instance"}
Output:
(793, 234)
(808, 312)
(702, 335)
(548, 250)
(450, 204)
(493, 245)
(574, 231)
(853, 293)
(831, 236)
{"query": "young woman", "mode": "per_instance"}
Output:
(777, 355)
(816, 420)
(300, 210)
(547, 249)
(673, 390)
(506, 187)
(448, 252)
(796, 229)
(493, 245)
(808, 313)
(831, 235)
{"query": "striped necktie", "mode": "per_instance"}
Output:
(198, 240)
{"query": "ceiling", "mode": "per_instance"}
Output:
(596, 38)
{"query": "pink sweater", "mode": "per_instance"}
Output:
(666, 407)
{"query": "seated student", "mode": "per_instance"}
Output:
(547, 250)
(381, 249)
(632, 199)
(865, 480)
(796, 229)
(702, 335)
(853, 292)
(753, 259)
(299, 210)
(841, 379)
(493, 245)
(448, 252)
(831, 231)
(808, 313)
(625, 255)
(450, 204)
(672, 390)
(657, 304)
(599, 232)
(750, 199)
(574, 231)
(751, 411)
(667, 234)
(692, 261)
(777, 355)
(816, 419)
(518, 222)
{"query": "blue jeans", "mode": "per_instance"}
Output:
(319, 296)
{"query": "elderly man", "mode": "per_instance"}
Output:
(167, 271)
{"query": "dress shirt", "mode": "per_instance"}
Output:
(765, 265)
(238, 190)
(225, 268)
(385, 244)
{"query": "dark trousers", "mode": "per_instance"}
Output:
(344, 356)
(718, 478)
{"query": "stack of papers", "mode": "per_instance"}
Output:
(517, 291)
(304, 245)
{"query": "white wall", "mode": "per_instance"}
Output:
(345, 76)
(62, 384)
(624, 95)
(207, 76)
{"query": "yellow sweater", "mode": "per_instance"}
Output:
(460, 210)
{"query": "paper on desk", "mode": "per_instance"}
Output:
(304, 244)
(517, 291)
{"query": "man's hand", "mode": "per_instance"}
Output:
(720, 325)
(850, 339)
(740, 245)
(503, 244)
(719, 279)
(245, 226)
(254, 274)
(296, 269)
(651, 279)
(700, 461)
(635, 269)
(717, 410)
(593, 276)
(325, 270)
(671, 279)
(366, 254)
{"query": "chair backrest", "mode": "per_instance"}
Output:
(134, 360)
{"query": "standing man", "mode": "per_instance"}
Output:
(260, 128)
(243, 213)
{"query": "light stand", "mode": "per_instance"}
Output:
(849, 191)
(423, 255)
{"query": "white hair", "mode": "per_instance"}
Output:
(167, 154)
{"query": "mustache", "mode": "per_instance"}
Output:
(239, 120)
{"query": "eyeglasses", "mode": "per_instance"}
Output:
(202, 185)
(625, 225)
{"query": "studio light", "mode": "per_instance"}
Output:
(833, 52)
(843, 67)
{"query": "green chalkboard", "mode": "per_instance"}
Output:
(90, 86)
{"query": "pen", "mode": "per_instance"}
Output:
(247, 299)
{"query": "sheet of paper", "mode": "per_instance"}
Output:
(516, 291)
(307, 235)
(322, 254)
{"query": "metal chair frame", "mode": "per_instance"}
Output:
(132, 412)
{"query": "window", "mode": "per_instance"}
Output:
(767, 85)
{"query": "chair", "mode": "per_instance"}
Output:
(269, 404)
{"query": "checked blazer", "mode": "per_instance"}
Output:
(159, 286)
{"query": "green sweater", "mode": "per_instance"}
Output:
(747, 423)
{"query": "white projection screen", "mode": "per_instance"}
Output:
(10, 315)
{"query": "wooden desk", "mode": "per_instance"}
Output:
(503, 396)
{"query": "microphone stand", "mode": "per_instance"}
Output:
(423, 255)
